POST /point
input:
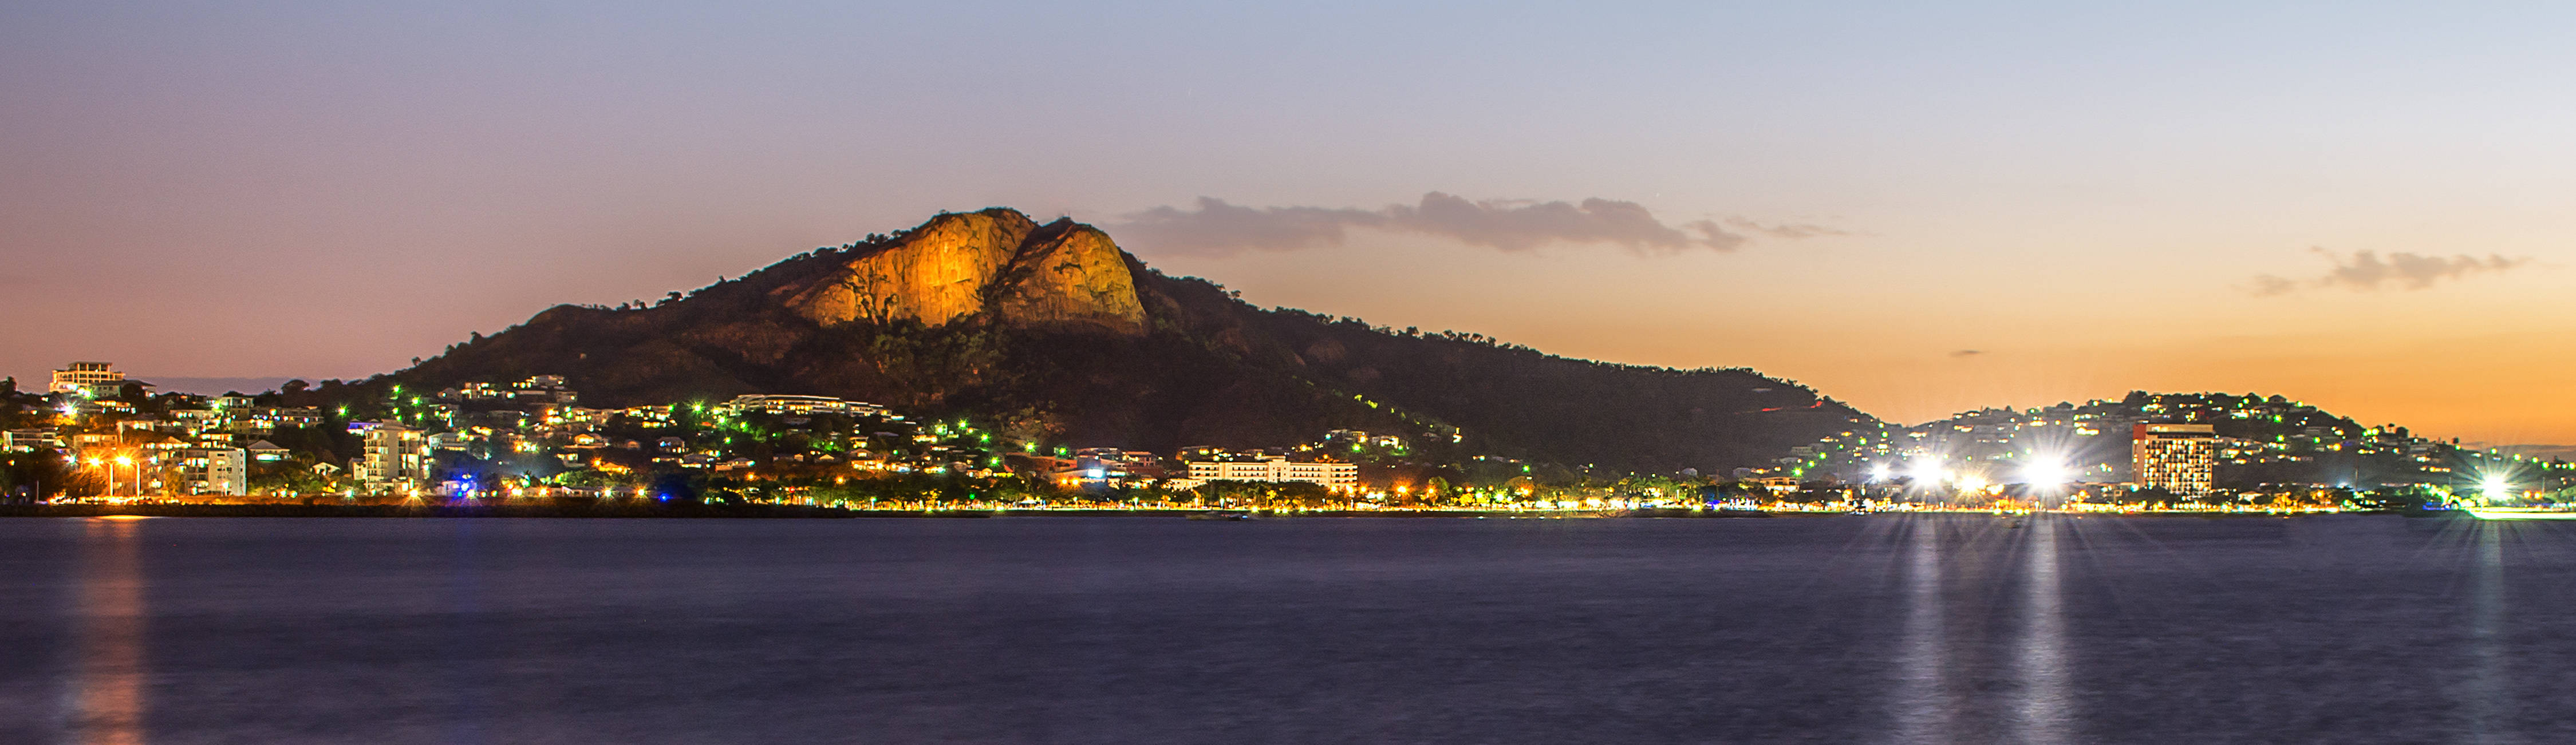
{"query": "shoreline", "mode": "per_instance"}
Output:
(629, 510)
(565, 511)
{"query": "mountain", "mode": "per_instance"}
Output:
(1052, 333)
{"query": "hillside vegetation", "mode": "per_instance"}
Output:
(1051, 332)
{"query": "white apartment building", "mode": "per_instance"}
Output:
(22, 440)
(215, 471)
(82, 377)
(397, 457)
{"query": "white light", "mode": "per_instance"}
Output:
(2045, 473)
(2494, 486)
(1926, 470)
(1878, 472)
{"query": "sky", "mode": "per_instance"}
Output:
(1918, 210)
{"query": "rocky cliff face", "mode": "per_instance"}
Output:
(1060, 275)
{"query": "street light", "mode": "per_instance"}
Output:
(95, 462)
(2045, 474)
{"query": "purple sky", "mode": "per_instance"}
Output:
(1918, 210)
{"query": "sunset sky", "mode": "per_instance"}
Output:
(1916, 210)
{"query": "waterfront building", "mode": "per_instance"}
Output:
(221, 471)
(397, 458)
(2179, 458)
(1336, 475)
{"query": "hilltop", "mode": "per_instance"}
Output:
(1053, 333)
(2266, 440)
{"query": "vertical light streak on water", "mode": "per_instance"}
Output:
(1922, 709)
(107, 674)
(2488, 688)
(465, 637)
(2044, 714)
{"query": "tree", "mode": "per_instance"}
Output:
(871, 298)
(29, 477)
(2154, 494)
(674, 487)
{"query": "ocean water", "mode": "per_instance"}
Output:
(1850, 629)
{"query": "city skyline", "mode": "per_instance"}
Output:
(1917, 212)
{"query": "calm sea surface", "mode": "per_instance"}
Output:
(1139, 629)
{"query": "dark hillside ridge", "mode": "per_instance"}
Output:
(1053, 333)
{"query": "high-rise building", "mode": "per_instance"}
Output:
(83, 377)
(2179, 458)
(397, 457)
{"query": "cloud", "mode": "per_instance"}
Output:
(2266, 285)
(1217, 228)
(2368, 271)
(1792, 231)
(1520, 226)
(1220, 228)
(1967, 352)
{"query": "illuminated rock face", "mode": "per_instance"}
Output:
(956, 266)
(1072, 275)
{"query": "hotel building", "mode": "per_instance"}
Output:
(1335, 475)
(2179, 458)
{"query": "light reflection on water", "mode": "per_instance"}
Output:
(2489, 679)
(1921, 698)
(107, 702)
(2044, 711)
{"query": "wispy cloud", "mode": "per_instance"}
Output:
(2272, 284)
(1967, 352)
(1215, 227)
(1220, 228)
(1789, 230)
(2367, 270)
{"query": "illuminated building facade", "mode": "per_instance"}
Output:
(28, 440)
(397, 457)
(801, 405)
(1336, 475)
(220, 471)
(2179, 458)
(85, 377)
